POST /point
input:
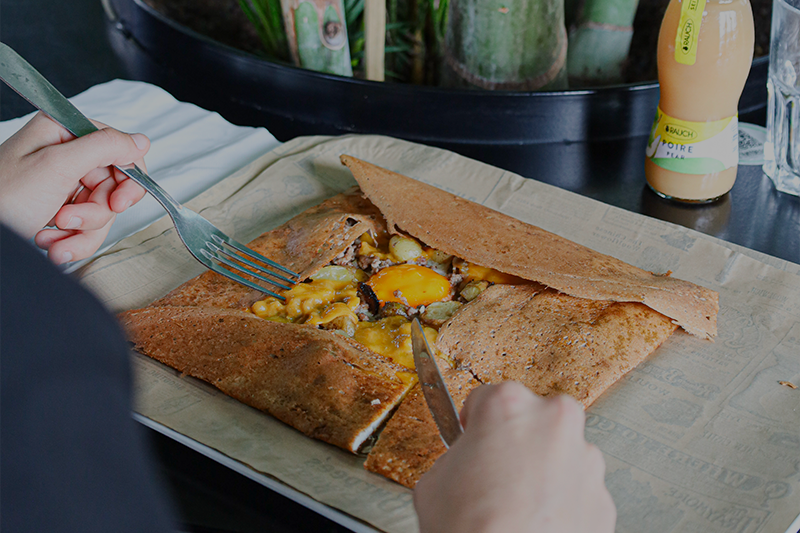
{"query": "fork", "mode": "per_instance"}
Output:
(205, 242)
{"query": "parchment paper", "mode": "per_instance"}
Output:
(701, 437)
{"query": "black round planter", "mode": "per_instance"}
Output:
(291, 101)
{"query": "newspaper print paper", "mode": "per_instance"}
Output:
(702, 437)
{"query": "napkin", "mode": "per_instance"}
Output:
(191, 148)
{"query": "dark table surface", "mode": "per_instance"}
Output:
(68, 42)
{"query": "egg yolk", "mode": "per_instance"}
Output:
(412, 285)
(472, 271)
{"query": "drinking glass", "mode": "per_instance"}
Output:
(782, 145)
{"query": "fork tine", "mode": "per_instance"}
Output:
(222, 259)
(259, 268)
(248, 283)
(258, 257)
(236, 277)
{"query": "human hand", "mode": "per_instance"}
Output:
(522, 465)
(50, 178)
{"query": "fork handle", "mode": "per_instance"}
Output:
(157, 191)
(33, 87)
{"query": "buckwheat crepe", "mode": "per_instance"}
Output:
(587, 320)
(410, 443)
(504, 243)
(323, 385)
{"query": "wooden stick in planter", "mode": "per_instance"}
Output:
(375, 38)
(317, 35)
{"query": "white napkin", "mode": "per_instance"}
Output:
(191, 148)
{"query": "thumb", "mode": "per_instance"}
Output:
(474, 400)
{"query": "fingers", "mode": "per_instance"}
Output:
(45, 165)
(567, 415)
(600, 505)
(96, 176)
(45, 240)
(83, 226)
(74, 160)
(596, 469)
(39, 132)
(126, 194)
(64, 246)
(90, 210)
(542, 474)
(475, 399)
(505, 400)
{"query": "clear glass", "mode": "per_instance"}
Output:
(782, 145)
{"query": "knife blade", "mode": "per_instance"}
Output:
(434, 389)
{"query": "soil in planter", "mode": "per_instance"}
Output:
(223, 21)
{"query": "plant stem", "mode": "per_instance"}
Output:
(506, 44)
(600, 41)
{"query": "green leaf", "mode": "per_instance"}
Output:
(267, 19)
(353, 9)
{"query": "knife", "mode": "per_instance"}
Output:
(434, 389)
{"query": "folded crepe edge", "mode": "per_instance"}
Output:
(325, 386)
(410, 442)
(515, 247)
(551, 342)
(304, 244)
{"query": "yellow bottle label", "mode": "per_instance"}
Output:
(693, 147)
(689, 31)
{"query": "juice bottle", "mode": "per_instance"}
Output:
(705, 49)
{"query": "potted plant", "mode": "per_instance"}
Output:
(213, 52)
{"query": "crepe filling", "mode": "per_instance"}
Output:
(406, 278)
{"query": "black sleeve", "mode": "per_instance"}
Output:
(71, 457)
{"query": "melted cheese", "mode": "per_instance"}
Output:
(316, 302)
(370, 250)
(333, 294)
(391, 337)
(334, 311)
(472, 271)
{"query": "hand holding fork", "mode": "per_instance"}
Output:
(204, 241)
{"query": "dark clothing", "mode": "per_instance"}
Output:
(71, 456)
